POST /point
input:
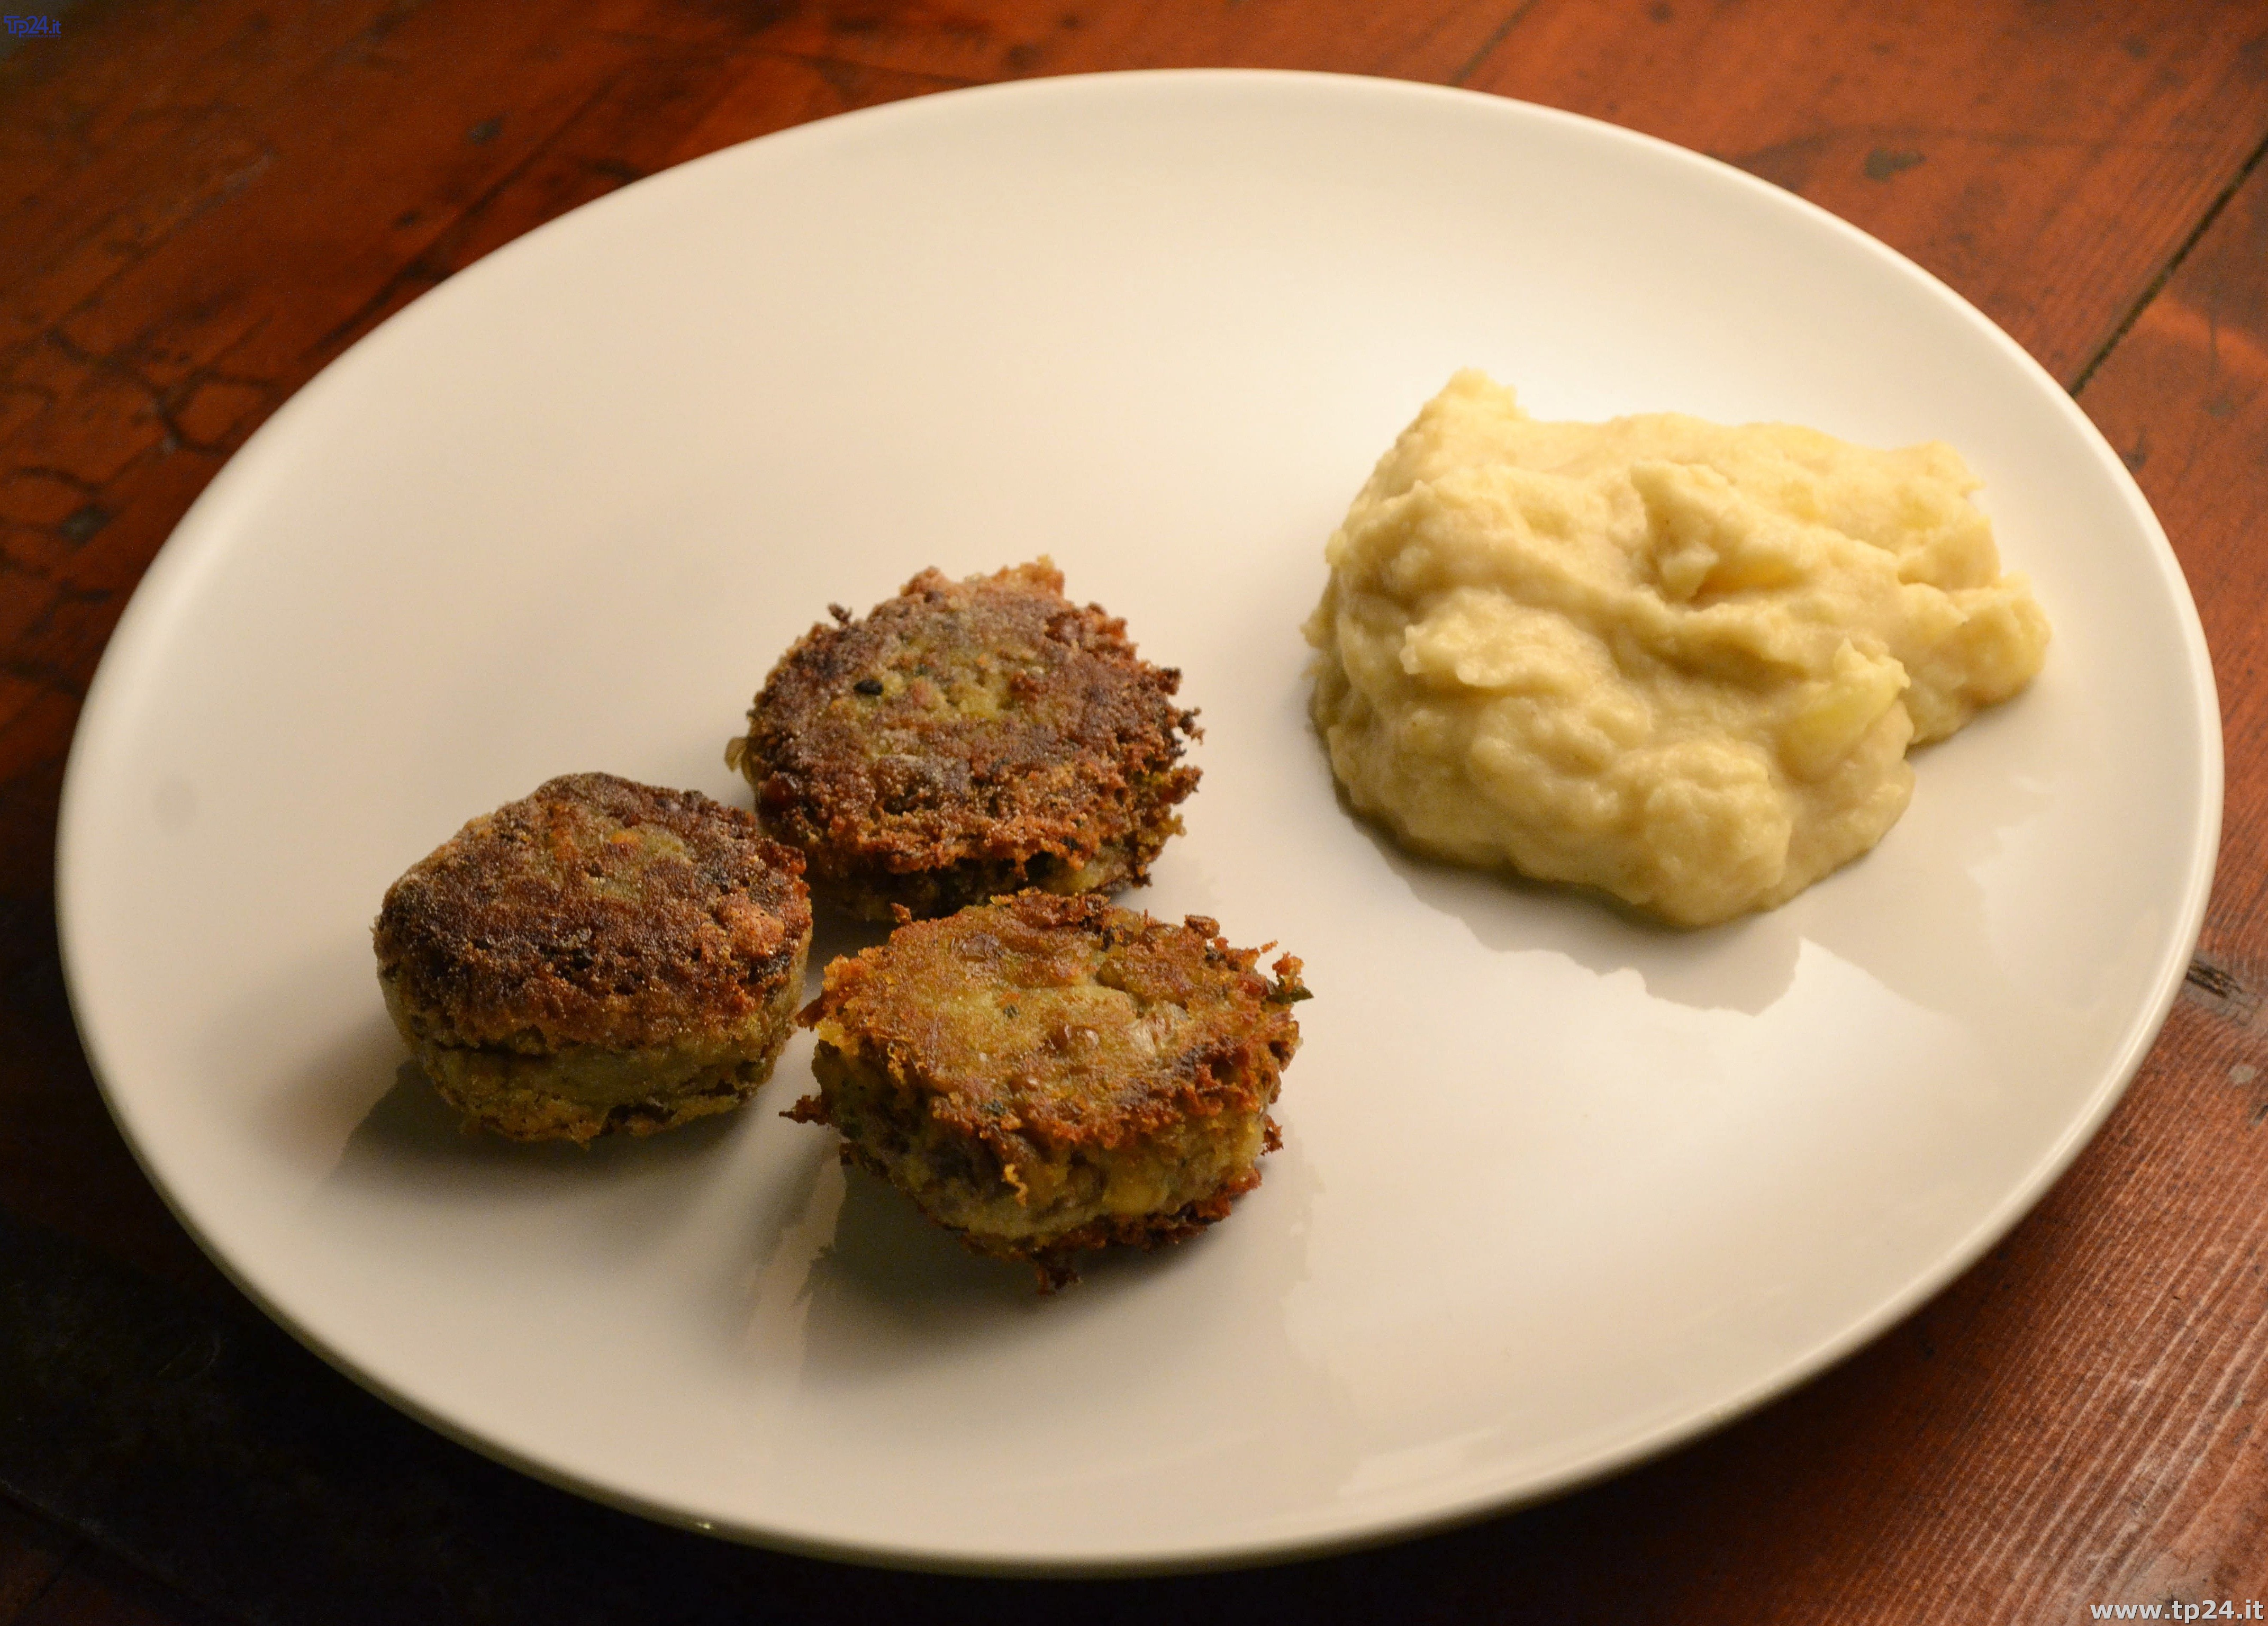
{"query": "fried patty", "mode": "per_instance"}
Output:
(602, 957)
(967, 740)
(1047, 1075)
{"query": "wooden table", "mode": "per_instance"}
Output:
(203, 204)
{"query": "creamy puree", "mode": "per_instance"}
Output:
(1677, 661)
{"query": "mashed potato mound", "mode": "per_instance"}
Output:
(1674, 660)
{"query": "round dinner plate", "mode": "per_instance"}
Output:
(1557, 1188)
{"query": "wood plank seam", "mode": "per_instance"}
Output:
(23, 1602)
(832, 68)
(421, 265)
(1472, 63)
(2174, 263)
(2219, 989)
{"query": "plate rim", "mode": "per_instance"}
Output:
(197, 542)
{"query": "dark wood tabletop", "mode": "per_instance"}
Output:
(204, 202)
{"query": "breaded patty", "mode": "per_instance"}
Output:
(1046, 1075)
(601, 957)
(966, 740)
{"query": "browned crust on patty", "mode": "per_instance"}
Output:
(966, 740)
(596, 912)
(1042, 1029)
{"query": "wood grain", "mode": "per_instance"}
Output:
(2047, 160)
(201, 204)
(2185, 398)
(988, 40)
(32, 1554)
(96, 1590)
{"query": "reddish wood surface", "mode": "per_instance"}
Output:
(200, 205)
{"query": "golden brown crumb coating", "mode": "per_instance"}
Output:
(968, 739)
(1046, 1075)
(599, 956)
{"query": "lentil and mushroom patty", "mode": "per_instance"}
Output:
(966, 740)
(601, 957)
(1046, 1075)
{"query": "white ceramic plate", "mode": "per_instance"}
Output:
(1557, 1190)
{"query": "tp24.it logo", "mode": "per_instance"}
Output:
(2206, 1609)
